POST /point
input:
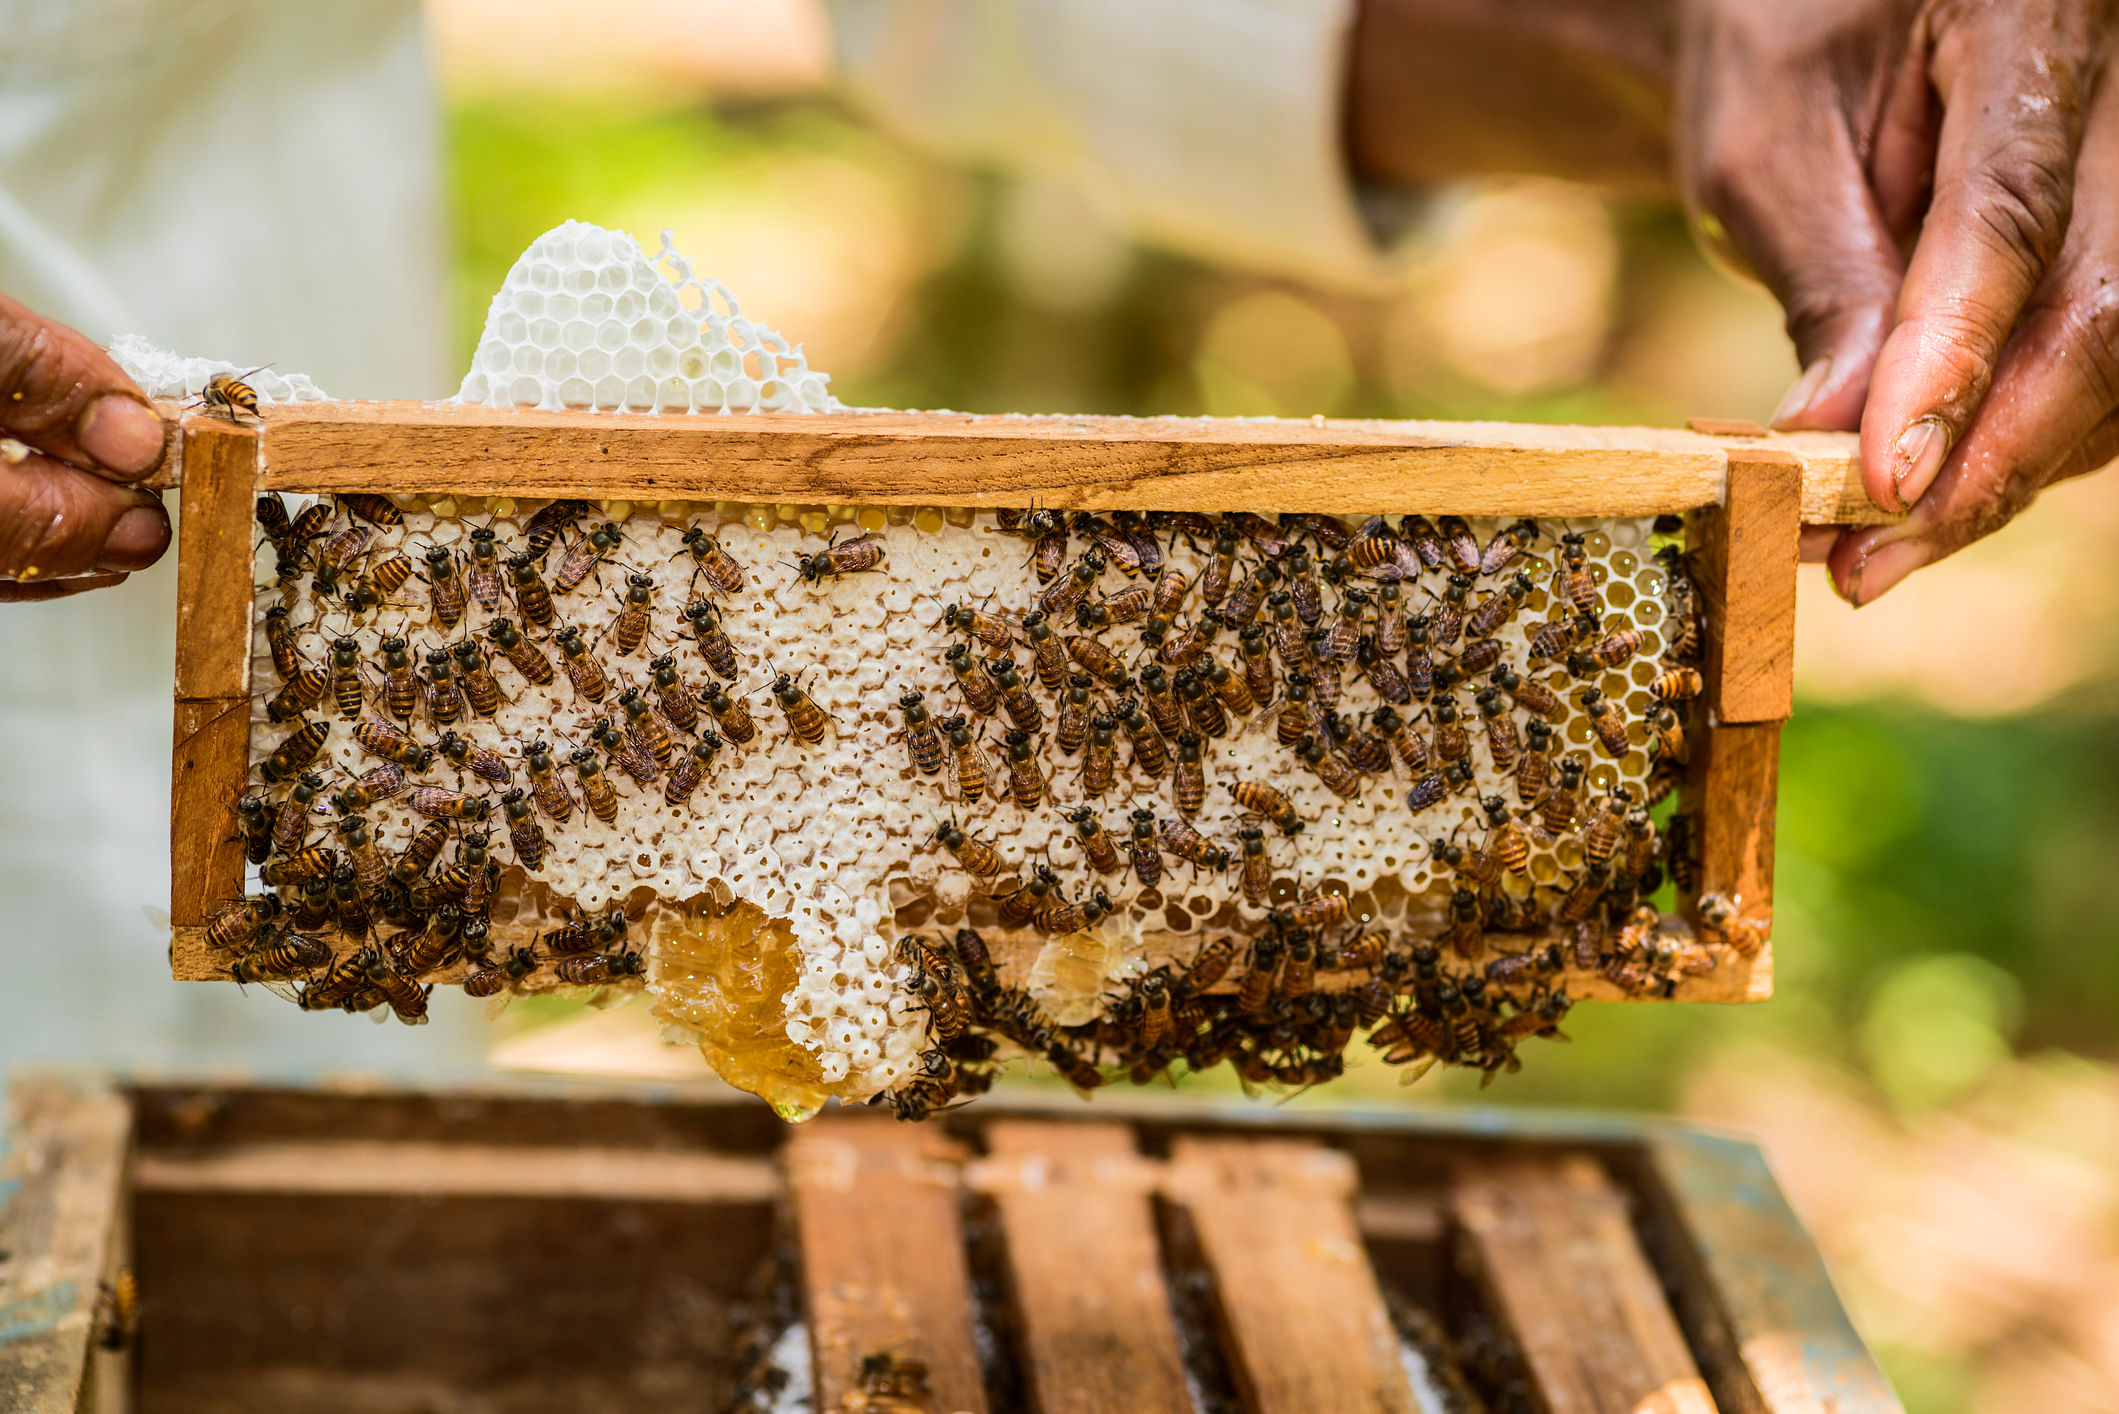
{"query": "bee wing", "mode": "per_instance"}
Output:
(605, 998)
(283, 988)
(1413, 1072)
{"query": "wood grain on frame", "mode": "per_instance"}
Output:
(1746, 567)
(903, 458)
(208, 769)
(1733, 791)
(215, 553)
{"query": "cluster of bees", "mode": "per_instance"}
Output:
(1319, 612)
(409, 914)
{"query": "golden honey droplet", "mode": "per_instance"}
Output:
(1568, 852)
(927, 519)
(789, 511)
(872, 518)
(1597, 543)
(444, 507)
(674, 512)
(503, 506)
(815, 522)
(841, 515)
(1624, 563)
(962, 517)
(1643, 672)
(1648, 611)
(1618, 595)
(617, 510)
(1650, 582)
(730, 510)
(1602, 777)
(1544, 868)
(761, 518)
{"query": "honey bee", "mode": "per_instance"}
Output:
(1640, 844)
(295, 751)
(546, 788)
(1247, 598)
(676, 703)
(487, 586)
(1150, 756)
(596, 787)
(1446, 623)
(1021, 905)
(1015, 695)
(469, 756)
(1572, 581)
(1171, 586)
(1462, 545)
(1026, 781)
(1204, 710)
(1474, 864)
(1376, 547)
(531, 594)
(378, 783)
(978, 964)
(1140, 848)
(280, 957)
(304, 690)
(445, 586)
(621, 748)
(1299, 716)
(1189, 787)
(1075, 1068)
(1502, 550)
(445, 699)
(731, 713)
(1529, 694)
(1338, 777)
(1188, 844)
(583, 671)
(978, 688)
(1409, 745)
(1588, 891)
(481, 690)
(524, 832)
(1466, 927)
(1290, 639)
(599, 969)
(237, 922)
(806, 721)
(228, 395)
(279, 637)
(1534, 766)
(644, 730)
(1096, 843)
(1678, 685)
(721, 570)
(1255, 992)
(584, 556)
(713, 641)
(964, 753)
(990, 629)
(1452, 741)
(1220, 568)
(1234, 691)
(116, 1319)
(1505, 839)
(630, 627)
(528, 658)
(1613, 649)
(290, 551)
(1257, 866)
(1191, 641)
(494, 978)
(1382, 673)
(1668, 732)
(1100, 765)
(1502, 742)
(1605, 720)
(1061, 916)
(691, 769)
(977, 857)
(1720, 922)
(437, 803)
(313, 909)
(1254, 649)
(1096, 658)
(552, 518)
(340, 981)
(346, 676)
(347, 903)
(1073, 730)
(856, 556)
(255, 816)
(1563, 802)
(1499, 607)
(1302, 585)
(406, 997)
(946, 1012)
(1259, 798)
(420, 853)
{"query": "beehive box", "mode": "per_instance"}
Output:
(766, 905)
(516, 1251)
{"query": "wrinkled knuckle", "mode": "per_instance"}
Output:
(2022, 201)
(2089, 326)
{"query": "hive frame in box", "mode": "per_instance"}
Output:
(1745, 494)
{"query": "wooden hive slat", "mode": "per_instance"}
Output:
(1747, 559)
(1553, 1251)
(878, 1210)
(1085, 1268)
(1306, 1326)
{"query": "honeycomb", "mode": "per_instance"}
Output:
(162, 374)
(770, 902)
(587, 318)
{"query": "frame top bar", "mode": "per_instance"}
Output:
(1089, 463)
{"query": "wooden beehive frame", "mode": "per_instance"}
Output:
(1746, 495)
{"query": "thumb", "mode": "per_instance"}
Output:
(1798, 210)
(63, 396)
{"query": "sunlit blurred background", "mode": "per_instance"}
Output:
(1937, 1079)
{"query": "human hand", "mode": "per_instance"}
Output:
(74, 432)
(1931, 187)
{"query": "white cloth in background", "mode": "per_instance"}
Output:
(247, 179)
(1213, 127)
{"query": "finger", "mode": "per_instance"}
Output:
(14, 592)
(2013, 80)
(64, 396)
(57, 521)
(1816, 541)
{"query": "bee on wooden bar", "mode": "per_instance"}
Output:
(1188, 844)
(546, 788)
(855, 556)
(469, 756)
(731, 713)
(1605, 721)
(346, 676)
(634, 761)
(691, 769)
(437, 803)
(1151, 757)
(1720, 922)
(1247, 598)
(1096, 842)
(237, 922)
(401, 693)
(228, 395)
(445, 586)
(494, 978)
(484, 579)
(445, 698)
(304, 690)
(532, 596)
(1257, 866)
(596, 787)
(644, 729)
(806, 721)
(1026, 780)
(406, 997)
(721, 570)
(584, 556)
(280, 957)
(480, 688)
(1061, 916)
(630, 627)
(295, 751)
(672, 698)
(524, 832)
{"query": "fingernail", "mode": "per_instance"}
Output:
(123, 436)
(1884, 567)
(136, 541)
(1921, 449)
(1802, 391)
